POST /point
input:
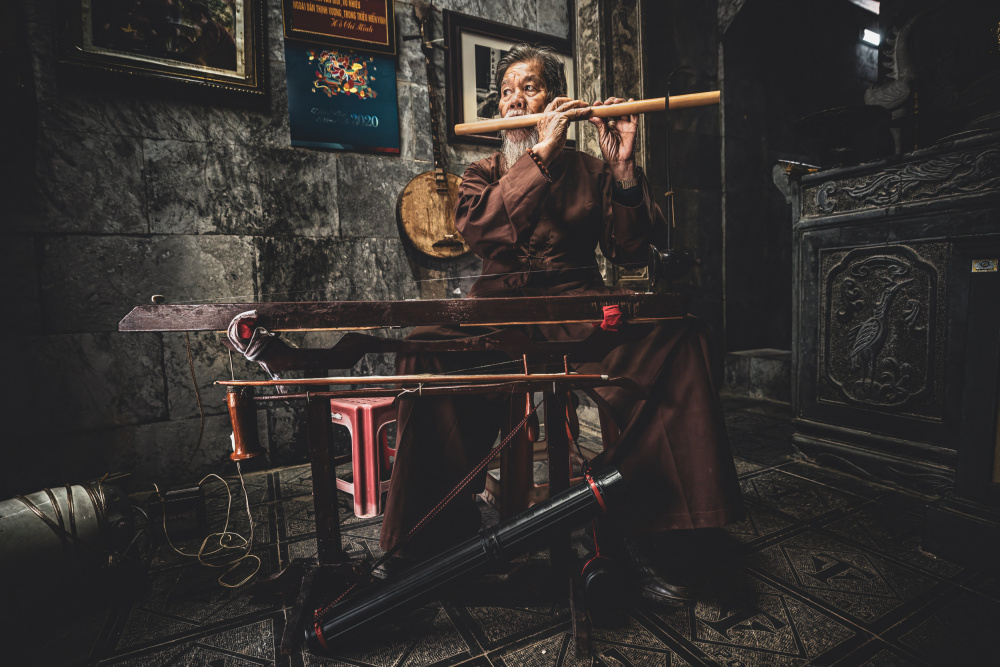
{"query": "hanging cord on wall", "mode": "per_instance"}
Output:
(197, 395)
(226, 538)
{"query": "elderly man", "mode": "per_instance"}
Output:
(534, 213)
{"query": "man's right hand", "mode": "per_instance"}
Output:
(554, 124)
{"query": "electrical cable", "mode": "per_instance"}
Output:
(225, 536)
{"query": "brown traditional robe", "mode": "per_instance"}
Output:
(536, 237)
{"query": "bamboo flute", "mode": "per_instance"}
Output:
(602, 111)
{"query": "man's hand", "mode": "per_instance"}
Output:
(554, 124)
(616, 136)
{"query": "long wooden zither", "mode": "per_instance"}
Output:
(333, 315)
(600, 111)
(411, 379)
(345, 315)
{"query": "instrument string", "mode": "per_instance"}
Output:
(321, 290)
(462, 371)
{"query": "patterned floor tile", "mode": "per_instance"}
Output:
(630, 633)
(745, 466)
(552, 651)
(852, 581)
(440, 641)
(614, 655)
(424, 637)
(182, 600)
(794, 497)
(878, 653)
(294, 481)
(834, 478)
(258, 490)
(768, 627)
(986, 585)
(908, 501)
(558, 650)
(961, 630)
(759, 523)
(297, 517)
(762, 448)
(498, 626)
(246, 645)
(357, 550)
(745, 421)
(362, 537)
(263, 531)
(303, 549)
(892, 532)
(825, 562)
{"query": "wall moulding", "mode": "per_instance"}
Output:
(960, 173)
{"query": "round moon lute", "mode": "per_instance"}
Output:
(425, 209)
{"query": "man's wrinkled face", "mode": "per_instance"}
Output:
(523, 90)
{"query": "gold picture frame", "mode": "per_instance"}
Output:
(204, 45)
(359, 25)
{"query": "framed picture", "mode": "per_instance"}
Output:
(200, 44)
(363, 25)
(475, 46)
(339, 99)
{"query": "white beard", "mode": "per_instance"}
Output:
(514, 144)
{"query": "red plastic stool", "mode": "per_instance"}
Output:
(366, 418)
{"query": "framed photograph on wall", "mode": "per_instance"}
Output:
(204, 44)
(475, 46)
(363, 25)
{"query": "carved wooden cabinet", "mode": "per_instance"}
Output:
(896, 316)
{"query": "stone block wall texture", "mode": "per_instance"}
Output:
(765, 373)
(133, 195)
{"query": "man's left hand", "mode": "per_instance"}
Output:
(616, 136)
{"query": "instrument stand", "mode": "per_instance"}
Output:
(305, 584)
(580, 623)
(333, 574)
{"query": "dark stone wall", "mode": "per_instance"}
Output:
(781, 60)
(128, 194)
(683, 34)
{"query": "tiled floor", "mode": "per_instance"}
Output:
(826, 570)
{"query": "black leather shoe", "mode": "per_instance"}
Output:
(658, 579)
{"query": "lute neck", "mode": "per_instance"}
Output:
(440, 178)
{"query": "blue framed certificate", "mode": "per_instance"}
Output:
(340, 99)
